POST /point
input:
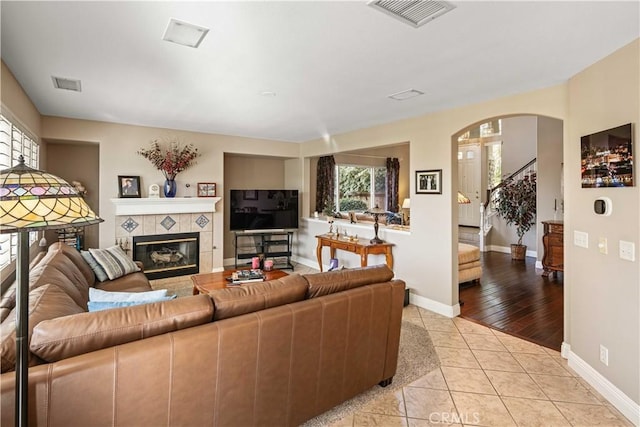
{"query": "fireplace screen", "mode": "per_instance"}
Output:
(168, 255)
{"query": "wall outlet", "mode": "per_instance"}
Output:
(627, 250)
(604, 355)
(602, 245)
(580, 238)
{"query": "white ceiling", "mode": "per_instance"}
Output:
(331, 64)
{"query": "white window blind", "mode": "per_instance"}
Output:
(13, 143)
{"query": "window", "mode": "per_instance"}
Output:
(13, 143)
(494, 163)
(359, 188)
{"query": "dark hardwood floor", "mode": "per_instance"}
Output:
(514, 298)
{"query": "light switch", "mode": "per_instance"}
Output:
(627, 250)
(580, 238)
(602, 245)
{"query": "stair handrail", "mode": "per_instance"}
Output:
(509, 178)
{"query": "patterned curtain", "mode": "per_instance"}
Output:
(325, 182)
(393, 176)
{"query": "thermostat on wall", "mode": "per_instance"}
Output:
(603, 206)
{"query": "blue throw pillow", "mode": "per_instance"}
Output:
(106, 305)
(100, 295)
(101, 275)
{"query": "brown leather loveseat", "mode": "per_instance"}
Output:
(266, 353)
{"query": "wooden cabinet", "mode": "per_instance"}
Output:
(553, 241)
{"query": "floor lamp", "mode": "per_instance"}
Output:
(33, 200)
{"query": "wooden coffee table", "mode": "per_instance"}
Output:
(207, 282)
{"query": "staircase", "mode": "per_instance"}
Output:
(487, 209)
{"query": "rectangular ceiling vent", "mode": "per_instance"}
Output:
(413, 12)
(405, 94)
(66, 84)
(184, 33)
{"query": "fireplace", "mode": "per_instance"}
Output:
(168, 255)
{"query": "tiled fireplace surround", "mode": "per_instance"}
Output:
(144, 216)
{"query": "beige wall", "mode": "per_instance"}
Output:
(432, 146)
(603, 306)
(119, 144)
(78, 162)
(549, 179)
(245, 173)
(16, 105)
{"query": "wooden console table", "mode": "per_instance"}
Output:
(553, 259)
(359, 246)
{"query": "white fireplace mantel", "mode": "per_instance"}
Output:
(176, 205)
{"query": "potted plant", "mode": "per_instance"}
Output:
(516, 204)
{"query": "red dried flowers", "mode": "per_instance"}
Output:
(172, 160)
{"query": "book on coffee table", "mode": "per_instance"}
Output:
(246, 276)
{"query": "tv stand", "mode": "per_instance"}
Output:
(272, 244)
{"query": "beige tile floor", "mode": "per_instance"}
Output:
(488, 378)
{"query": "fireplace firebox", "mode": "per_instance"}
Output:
(168, 255)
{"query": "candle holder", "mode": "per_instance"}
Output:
(376, 212)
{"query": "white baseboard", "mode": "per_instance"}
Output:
(507, 250)
(311, 263)
(435, 306)
(229, 261)
(617, 398)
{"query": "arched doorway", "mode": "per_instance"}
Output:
(514, 297)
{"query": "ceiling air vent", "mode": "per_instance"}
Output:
(415, 13)
(184, 33)
(405, 94)
(66, 84)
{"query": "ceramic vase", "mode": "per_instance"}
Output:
(170, 188)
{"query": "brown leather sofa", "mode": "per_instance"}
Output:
(266, 353)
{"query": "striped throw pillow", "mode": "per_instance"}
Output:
(114, 261)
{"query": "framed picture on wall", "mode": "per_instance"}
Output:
(128, 186)
(429, 181)
(607, 158)
(206, 189)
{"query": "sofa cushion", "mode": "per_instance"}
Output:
(114, 261)
(69, 336)
(8, 300)
(467, 253)
(250, 297)
(45, 302)
(340, 280)
(101, 275)
(107, 305)
(64, 266)
(134, 282)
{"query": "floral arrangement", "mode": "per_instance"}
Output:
(172, 160)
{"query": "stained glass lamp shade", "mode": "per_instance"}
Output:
(32, 200)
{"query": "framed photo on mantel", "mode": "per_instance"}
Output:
(206, 189)
(128, 186)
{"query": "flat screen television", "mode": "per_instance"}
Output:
(252, 210)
